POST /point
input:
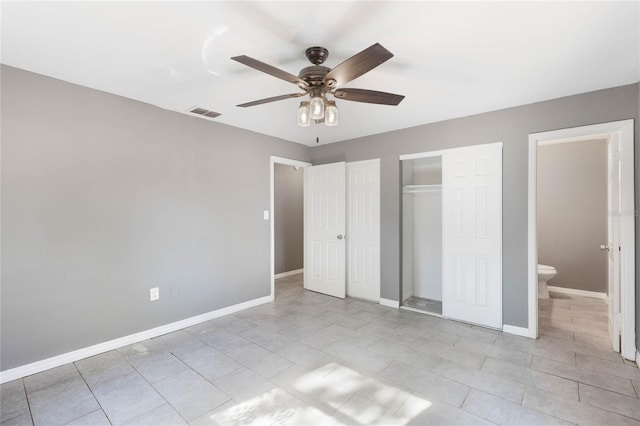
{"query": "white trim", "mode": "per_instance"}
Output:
(440, 152)
(577, 292)
(288, 273)
(532, 239)
(390, 303)
(56, 361)
(517, 331)
(272, 161)
(627, 224)
(579, 138)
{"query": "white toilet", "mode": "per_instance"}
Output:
(545, 273)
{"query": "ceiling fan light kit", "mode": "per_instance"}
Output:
(331, 114)
(304, 120)
(318, 81)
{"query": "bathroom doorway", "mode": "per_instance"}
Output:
(600, 202)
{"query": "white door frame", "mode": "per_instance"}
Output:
(627, 225)
(273, 160)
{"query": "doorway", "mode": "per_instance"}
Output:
(620, 214)
(286, 214)
(422, 235)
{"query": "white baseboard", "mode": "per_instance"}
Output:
(288, 274)
(576, 292)
(518, 331)
(390, 303)
(56, 361)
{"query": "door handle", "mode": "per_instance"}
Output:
(340, 236)
(604, 247)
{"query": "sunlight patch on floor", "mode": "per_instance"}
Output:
(331, 394)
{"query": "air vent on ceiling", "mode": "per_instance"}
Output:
(204, 111)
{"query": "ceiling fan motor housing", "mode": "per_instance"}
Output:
(314, 74)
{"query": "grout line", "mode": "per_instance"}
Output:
(92, 393)
(154, 388)
(26, 397)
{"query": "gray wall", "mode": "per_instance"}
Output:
(572, 202)
(510, 126)
(288, 218)
(104, 197)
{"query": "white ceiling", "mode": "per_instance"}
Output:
(452, 59)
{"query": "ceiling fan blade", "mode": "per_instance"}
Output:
(269, 69)
(357, 65)
(273, 99)
(368, 96)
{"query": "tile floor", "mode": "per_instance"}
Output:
(424, 304)
(309, 359)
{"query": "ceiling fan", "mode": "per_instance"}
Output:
(317, 81)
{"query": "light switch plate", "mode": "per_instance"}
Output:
(154, 293)
(265, 214)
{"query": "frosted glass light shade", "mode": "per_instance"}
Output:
(316, 108)
(304, 119)
(331, 114)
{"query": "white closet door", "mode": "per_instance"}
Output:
(363, 229)
(324, 229)
(472, 234)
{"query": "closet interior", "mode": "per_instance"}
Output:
(422, 234)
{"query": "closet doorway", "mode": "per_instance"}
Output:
(422, 234)
(452, 233)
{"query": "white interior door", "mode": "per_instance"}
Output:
(363, 229)
(472, 234)
(613, 239)
(324, 229)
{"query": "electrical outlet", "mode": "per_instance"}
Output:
(154, 293)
